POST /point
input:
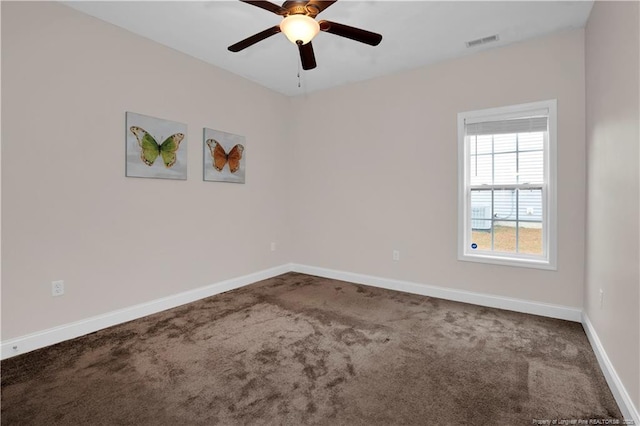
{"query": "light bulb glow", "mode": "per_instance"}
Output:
(299, 28)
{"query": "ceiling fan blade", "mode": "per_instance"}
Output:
(353, 33)
(267, 5)
(319, 5)
(249, 41)
(307, 57)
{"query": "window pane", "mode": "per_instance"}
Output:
(530, 141)
(504, 204)
(481, 240)
(480, 219)
(504, 237)
(480, 170)
(530, 205)
(530, 238)
(484, 144)
(472, 144)
(531, 167)
(480, 209)
(505, 169)
(504, 143)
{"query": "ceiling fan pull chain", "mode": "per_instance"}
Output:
(298, 72)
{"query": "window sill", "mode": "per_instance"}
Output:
(509, 261)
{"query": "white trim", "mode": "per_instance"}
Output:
(511, 304)
(51, 336)
(550, 229)
(72, 330)
(462, 182)
(496, 259)
(506, 112)
(629, 411)
(551, 161)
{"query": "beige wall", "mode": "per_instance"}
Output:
(376, 169)
(363, 170)
(70, 213)
(613, 234)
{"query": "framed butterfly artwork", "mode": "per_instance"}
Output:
(224, 156)
(156, 148)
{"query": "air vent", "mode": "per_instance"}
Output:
(484, 40)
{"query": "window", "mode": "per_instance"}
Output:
(507, 185)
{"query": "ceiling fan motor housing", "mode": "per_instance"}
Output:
(298, 10)
(301, 8)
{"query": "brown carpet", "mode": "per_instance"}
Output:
(298, 349)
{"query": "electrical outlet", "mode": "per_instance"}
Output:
(601, 298)
(273, 246)
(57, 288)
(396, 255)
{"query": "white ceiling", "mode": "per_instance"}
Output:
(415, 33)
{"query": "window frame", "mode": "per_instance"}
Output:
(549, 191)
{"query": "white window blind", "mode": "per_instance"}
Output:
(519, 125)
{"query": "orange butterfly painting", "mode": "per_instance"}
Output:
(220, 157)
(226, 165)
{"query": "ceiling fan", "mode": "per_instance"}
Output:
(300, 27)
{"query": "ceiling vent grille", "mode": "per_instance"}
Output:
(483, 40)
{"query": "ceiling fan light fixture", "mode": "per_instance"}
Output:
(299, 28)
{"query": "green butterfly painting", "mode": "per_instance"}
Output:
(150, 149)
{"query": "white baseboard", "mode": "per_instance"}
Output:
(72, 330)
(500, 302)
(629, 410)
